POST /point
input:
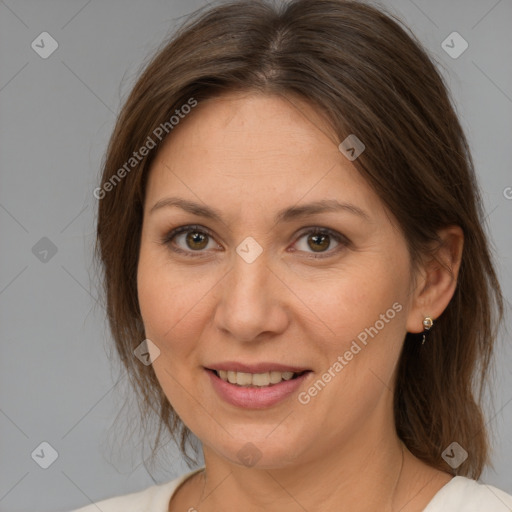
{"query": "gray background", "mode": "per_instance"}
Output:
(57, 383)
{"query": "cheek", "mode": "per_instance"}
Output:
(359, 300)
(378, 304)
(366, 318)
(164, 297)
(174, 306)
(169, 306)
(366, 312)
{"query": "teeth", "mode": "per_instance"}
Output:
(260, 379)
(275, 377)
(254, 379)
(243, 379)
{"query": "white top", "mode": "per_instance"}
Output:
(460, 494)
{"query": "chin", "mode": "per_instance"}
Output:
(251, 449)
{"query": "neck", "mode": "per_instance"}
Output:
(363, 477)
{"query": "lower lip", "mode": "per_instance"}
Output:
(255, 397)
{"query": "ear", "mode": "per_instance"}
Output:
(436, 279)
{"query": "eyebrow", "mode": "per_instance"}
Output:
(285, 215)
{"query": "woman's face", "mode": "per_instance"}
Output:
(257, 292)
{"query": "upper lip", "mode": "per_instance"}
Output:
(236, 366)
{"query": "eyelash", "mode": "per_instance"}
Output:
(168, 238)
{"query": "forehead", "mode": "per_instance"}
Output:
(256, 148)
(251, 128)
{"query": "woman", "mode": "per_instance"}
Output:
(295, 266)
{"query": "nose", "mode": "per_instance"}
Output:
(251, 302)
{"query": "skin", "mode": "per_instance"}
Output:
(250, 155)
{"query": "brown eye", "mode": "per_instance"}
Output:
(193, 241)
(189, 240)
(196, 240)
(320, 240)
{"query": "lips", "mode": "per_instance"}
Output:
(255, 368)
(255, 386)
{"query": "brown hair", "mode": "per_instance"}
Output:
(370, 77)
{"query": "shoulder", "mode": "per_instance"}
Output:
(152, 499)
(463, 494)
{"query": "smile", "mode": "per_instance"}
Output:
(245, 379)
(258, 389)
